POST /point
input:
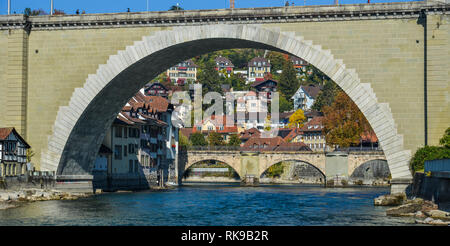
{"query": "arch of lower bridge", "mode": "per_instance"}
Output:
(321, 170)
(378, 169)
(80, 127)
(193, 162)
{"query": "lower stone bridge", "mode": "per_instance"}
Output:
(245, 163)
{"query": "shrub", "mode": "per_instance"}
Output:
(428, 153)
(330, 182)
(344, 182)
(358, 182)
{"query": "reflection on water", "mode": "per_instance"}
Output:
(229, 204)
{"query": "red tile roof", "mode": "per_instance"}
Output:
(262, 144)
(310, 126)
(294, 132)
(252, 132)
(297, 146)
(6, 131)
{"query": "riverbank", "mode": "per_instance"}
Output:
(423, 211)
(15, 198)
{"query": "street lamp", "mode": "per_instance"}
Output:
(9, 7)
(51, 7)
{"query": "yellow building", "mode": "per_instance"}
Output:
(257, 68)
(183, 72)
(312, 134)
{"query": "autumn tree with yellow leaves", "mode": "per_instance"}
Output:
(297, 119)
(344, 123)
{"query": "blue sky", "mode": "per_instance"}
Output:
(113, 6)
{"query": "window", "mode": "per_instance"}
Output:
(136, 166)
(118, 152)
(131, 148)
(125, 152)
(118, 130)
(130, 166)
(125, 132)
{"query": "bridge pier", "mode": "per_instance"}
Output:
(401, 186)
(250, 180)
(75, 183)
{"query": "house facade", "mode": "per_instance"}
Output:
(304, 97)
(224, 65)
(13, 153)
(217, 124)
(313, 136)
(258, 67)
(156, 89)
(266, 88)
(143, 145)
(183, 72)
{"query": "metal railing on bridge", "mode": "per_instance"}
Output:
(278, 149)
(360, 149)
(211, 148)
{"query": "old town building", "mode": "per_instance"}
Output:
(13, 153)
(217, 124)
(144, 145)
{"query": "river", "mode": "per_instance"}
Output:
(213, 204)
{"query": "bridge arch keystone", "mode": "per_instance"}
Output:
(73, 144)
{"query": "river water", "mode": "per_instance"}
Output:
(216, 204)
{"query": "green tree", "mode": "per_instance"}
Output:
(326, 96)
(297, 119)
(197, 139)
(215, 139)
(285, 105)
(288, 83)
(445, 140)
(314, 76)
(277, 61)
(184, 141)
(275, 171)
(428, 153)
(210, 78)
(234, 140)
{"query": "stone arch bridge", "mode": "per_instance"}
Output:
(63, 79)
(256, 163)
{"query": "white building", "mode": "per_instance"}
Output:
(304, 97)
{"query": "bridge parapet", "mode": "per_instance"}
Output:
(319, 13)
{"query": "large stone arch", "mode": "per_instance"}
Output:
(80, 126)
